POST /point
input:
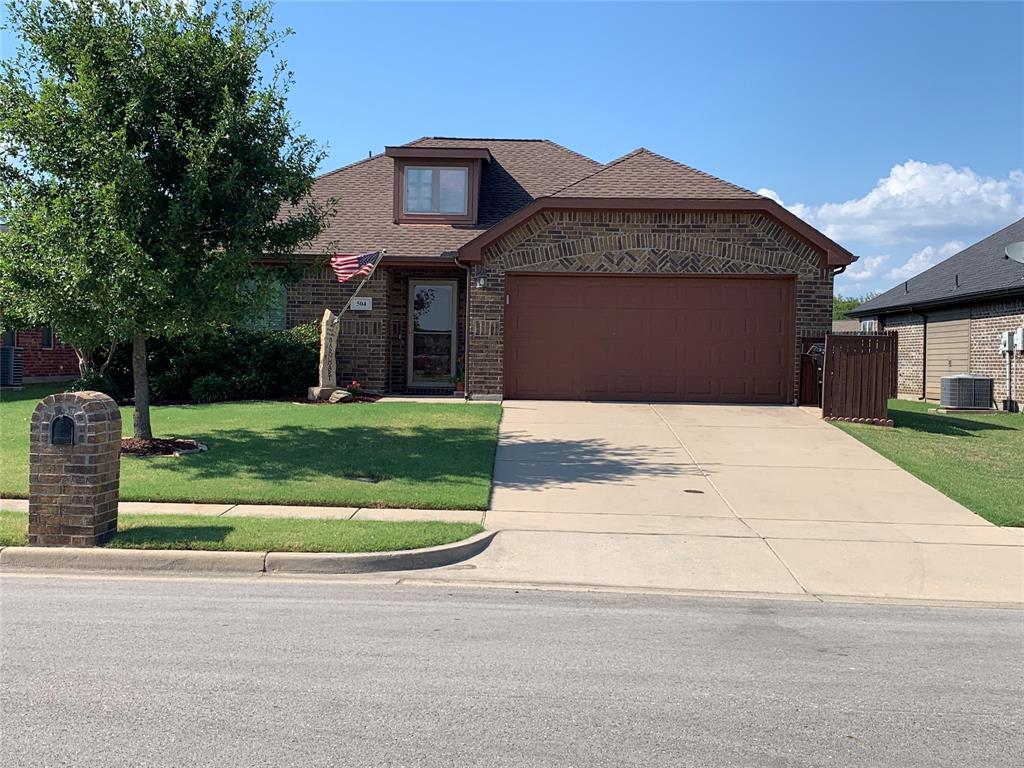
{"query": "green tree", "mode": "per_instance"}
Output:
(147, 161)
(842, 305)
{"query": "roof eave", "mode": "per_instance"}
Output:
(833, 254)
(440, 153)
(911, 306)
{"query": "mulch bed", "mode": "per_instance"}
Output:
(131, 446)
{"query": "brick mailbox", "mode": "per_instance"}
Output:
(74, 470)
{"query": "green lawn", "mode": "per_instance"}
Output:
(254, 534)
(977, 460)
(430, 456)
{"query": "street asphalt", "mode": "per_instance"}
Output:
(100, 671)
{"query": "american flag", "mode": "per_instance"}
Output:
(347, 266)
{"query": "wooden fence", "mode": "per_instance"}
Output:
(857, 377)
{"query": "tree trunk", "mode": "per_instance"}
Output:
(84, 363)
(110, 358)
(140, 375)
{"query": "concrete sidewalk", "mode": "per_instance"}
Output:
(753, 499)
(277, 510)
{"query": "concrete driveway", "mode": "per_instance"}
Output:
(759, 499)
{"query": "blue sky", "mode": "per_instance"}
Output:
(896, 128)
(817, 102)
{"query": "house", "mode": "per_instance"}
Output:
(949, 318)
(536, 272)
(43, 356)
(846, 326)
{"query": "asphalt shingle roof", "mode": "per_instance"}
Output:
(646, 174)
(521, 171)
(980, 270)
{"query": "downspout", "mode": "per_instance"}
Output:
(924, 353)
(465, 332)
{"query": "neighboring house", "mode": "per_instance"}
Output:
(949, 318)
(44, 357)
(541, 273)
(846, 326)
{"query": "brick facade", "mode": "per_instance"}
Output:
(988, 321)
(909, 352)
(629, 242)
(372, 346)
(42, 363)
(362, 338)
(73, 488)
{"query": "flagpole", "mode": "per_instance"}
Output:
(365, 280)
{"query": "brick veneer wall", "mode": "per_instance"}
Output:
(73, 489)
(362, 338)
(640, 242)
(909, 352)
(988, 321)
(61, 362)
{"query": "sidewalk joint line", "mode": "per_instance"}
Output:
(725, 501)
(233, 506)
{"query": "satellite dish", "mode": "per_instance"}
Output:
(1015, 251)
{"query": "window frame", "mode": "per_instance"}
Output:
(42, 337)
(411, 331)
(472, 168)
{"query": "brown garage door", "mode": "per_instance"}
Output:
(588, 337)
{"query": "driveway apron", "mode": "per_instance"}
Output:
(759, 499)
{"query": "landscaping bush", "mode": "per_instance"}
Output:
(96, 382)
(226, 364)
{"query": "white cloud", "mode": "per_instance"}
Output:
(865, 268)
(919, 201)
(927, 257)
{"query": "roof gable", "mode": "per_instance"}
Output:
(645, 174)
(977, 271)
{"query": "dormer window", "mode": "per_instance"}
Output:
(436, 190)
(437, 185)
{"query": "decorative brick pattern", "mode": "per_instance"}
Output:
(629, 242)
(73, 489)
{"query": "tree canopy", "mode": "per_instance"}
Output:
(148, 158)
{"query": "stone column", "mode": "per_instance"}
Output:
(74, 470)
(327, 377)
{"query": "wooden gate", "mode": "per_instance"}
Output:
(857, 379)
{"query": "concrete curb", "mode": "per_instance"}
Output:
(139, 560)
(372, 562)
(189, 561)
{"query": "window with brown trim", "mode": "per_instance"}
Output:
(427, 193)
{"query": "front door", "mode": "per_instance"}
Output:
(432, 333)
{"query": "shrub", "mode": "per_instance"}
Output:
(212, 388)
(227, 364)
(96, 382)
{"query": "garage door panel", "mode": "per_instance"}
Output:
(658, 338)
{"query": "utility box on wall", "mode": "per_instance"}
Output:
(74, 470)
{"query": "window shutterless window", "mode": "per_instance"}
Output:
(46, 337)
(436, 190)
